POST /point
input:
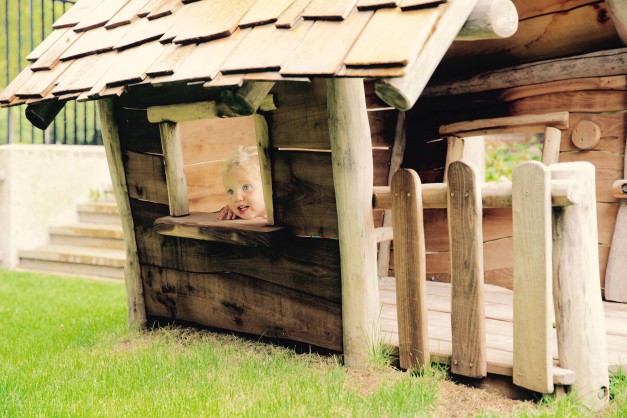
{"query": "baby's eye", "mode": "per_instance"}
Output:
(230, 192)
(247, 187)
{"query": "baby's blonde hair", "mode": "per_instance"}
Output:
(243, 157)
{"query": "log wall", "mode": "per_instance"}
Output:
(292, 292)
(589, 101)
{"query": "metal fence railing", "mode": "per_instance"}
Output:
(23, 25)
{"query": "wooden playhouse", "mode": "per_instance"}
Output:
(338, 95)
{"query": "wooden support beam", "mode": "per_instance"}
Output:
(398, 152)
(178, 199)
(490, 19)
(132, 272)
(596, 64)
(509, 124)
(618, 13)
(579, 316)
(403, 92)
(551, 146)
(466, 244)
(42, 114)
(616, 271)
(410, 270)
(533, 313)
(383, 234)
(265, 165)
(493, 195)
(246, 99)
(351, 155)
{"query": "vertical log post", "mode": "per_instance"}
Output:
(551, 147)
(410, 268)
(178, 199)
(579, 316)
(531, 207)
(351, 148)
(398, 151)
(263, 150)
(466, 242)
(132, 273)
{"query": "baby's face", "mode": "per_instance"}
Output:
(244, 192)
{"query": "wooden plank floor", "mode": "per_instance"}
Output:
(499, 328)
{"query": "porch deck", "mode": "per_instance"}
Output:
(499, 326)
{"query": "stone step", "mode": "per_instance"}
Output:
(75, 260)
(99, 212)
(88, 235)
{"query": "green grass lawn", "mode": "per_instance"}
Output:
(66, 350)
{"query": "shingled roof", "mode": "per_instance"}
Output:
(102, 47)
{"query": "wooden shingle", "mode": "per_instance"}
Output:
(48, 59)
(166, 7)
(100, 15)
(265, 49)
(416, 4)
(329, 9)
(46, 44)
(379, 46)
(8, 94)
(95, 41)
(145, 30)
(376, 4)
(334, 38)
(169, 61)
(41, 82)
(207, 20)
(127, 14)
(204, 62)
(77, 12)
(292, 14)
(264, 12)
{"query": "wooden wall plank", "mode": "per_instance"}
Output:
(304, 195)
(336, 39)
(613, 128)
(383, 127)
(243, 304)
(533, 278)
(145, 176)
(307, 265)
(577, 101)
(465, 235)
(609, 167)
(378, 45)
(136, 133)
(204, 186)
(300, 120)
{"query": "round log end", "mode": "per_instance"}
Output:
(392, 96)
(586, 134)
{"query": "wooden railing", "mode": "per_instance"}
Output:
(555, 259)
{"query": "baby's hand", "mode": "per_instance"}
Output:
(226, 214)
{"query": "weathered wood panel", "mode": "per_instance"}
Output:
(305, 264)
(136, 133)
(244, 304)
(382, 127)
(304, 196)
(300, 120)
(145, 176)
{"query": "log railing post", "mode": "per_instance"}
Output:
(466, 244)
(410, 269)
(351, 148)
(533, 315)
(579, 315)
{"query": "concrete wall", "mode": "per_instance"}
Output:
(40, 185)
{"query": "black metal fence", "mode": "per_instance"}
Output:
(23, 25)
